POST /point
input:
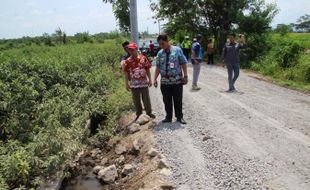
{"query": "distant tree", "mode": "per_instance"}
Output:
(209, 16)
(255, 24)
(293, 26)
(283, 29)
(122, 13)
(221, 15)
(82, 37)
(60, 36)
(258, 17)
(64, 38)
(47, 40)
(303, 23)
(181, 15)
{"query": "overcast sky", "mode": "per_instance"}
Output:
(34, 17)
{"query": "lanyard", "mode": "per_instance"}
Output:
(167, 61)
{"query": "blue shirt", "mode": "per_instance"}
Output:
(169, 62)
(196, 47)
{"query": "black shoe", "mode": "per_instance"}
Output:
(166, 120)
(152, 116)
(182, 121)
(231, 90)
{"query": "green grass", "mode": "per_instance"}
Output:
(47, 95)
(302, 38)
(288, 61)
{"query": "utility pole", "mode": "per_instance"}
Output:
(134, 21)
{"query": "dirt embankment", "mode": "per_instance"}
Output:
(127, 161)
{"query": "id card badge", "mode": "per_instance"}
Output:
(171, 65)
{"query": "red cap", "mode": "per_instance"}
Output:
(132, 46)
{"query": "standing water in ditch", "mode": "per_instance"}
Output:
(88, 182)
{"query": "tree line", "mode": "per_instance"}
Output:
(59, 37)
(208, 17)
(302, 25)
(214, 19)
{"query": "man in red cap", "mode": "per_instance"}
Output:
(138, 79)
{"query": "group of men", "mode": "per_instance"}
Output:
(187, 46)
(171, 65)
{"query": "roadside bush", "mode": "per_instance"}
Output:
(286, 53)
(258, 47)
(47, 95)
(302, 69)
(307, 76)
(288, 61)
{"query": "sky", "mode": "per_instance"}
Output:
(34, 17)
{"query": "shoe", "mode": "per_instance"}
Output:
(152, 116)
(230, 90)
(166, 120)
(182, 121)
(195, 87)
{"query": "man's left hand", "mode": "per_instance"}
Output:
(185, 80)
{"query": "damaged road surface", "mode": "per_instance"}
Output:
(255, 138)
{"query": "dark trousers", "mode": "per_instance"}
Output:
(233, 74)
(210, 59)
(137, 94)
(186, 52)
(173, 95)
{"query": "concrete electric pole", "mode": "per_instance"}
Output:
(134, 21)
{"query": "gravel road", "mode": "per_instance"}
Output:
(256, 138)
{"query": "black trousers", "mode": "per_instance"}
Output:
(210, 59)
(173, 95)
(186, 52)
